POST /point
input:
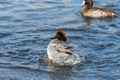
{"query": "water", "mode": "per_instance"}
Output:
(26, 27)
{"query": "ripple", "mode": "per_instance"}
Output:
(118, 33)
(2, 35)
(27, 26)
(53, 2)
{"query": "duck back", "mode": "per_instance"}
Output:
(98, 12)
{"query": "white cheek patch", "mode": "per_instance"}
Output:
(83, 3)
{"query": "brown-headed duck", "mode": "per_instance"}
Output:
(95, 12)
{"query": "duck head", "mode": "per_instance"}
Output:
(88, 3)
(60, 35)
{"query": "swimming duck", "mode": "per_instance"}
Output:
(60, 52)
(95, 12)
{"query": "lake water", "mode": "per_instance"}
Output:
(26, 27)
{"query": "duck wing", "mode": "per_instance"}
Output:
(64, 48)
(103, 9)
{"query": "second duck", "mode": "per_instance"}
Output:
(95, 12)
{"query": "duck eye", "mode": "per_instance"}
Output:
(86, 3)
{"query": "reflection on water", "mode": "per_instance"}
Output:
(26, 27)
(91, 21)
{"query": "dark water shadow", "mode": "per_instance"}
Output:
(90, 21)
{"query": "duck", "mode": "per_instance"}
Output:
(60, 52)
(96, 12)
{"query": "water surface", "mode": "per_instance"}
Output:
(26, 27)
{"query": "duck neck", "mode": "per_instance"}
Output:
(89, 4)
(88, 7)
(85, 9)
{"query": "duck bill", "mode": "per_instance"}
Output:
(83, 3)
(53, 37)
(65, 40)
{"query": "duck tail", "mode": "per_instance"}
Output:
(114, 14)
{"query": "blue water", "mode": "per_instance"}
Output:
(26, 27)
